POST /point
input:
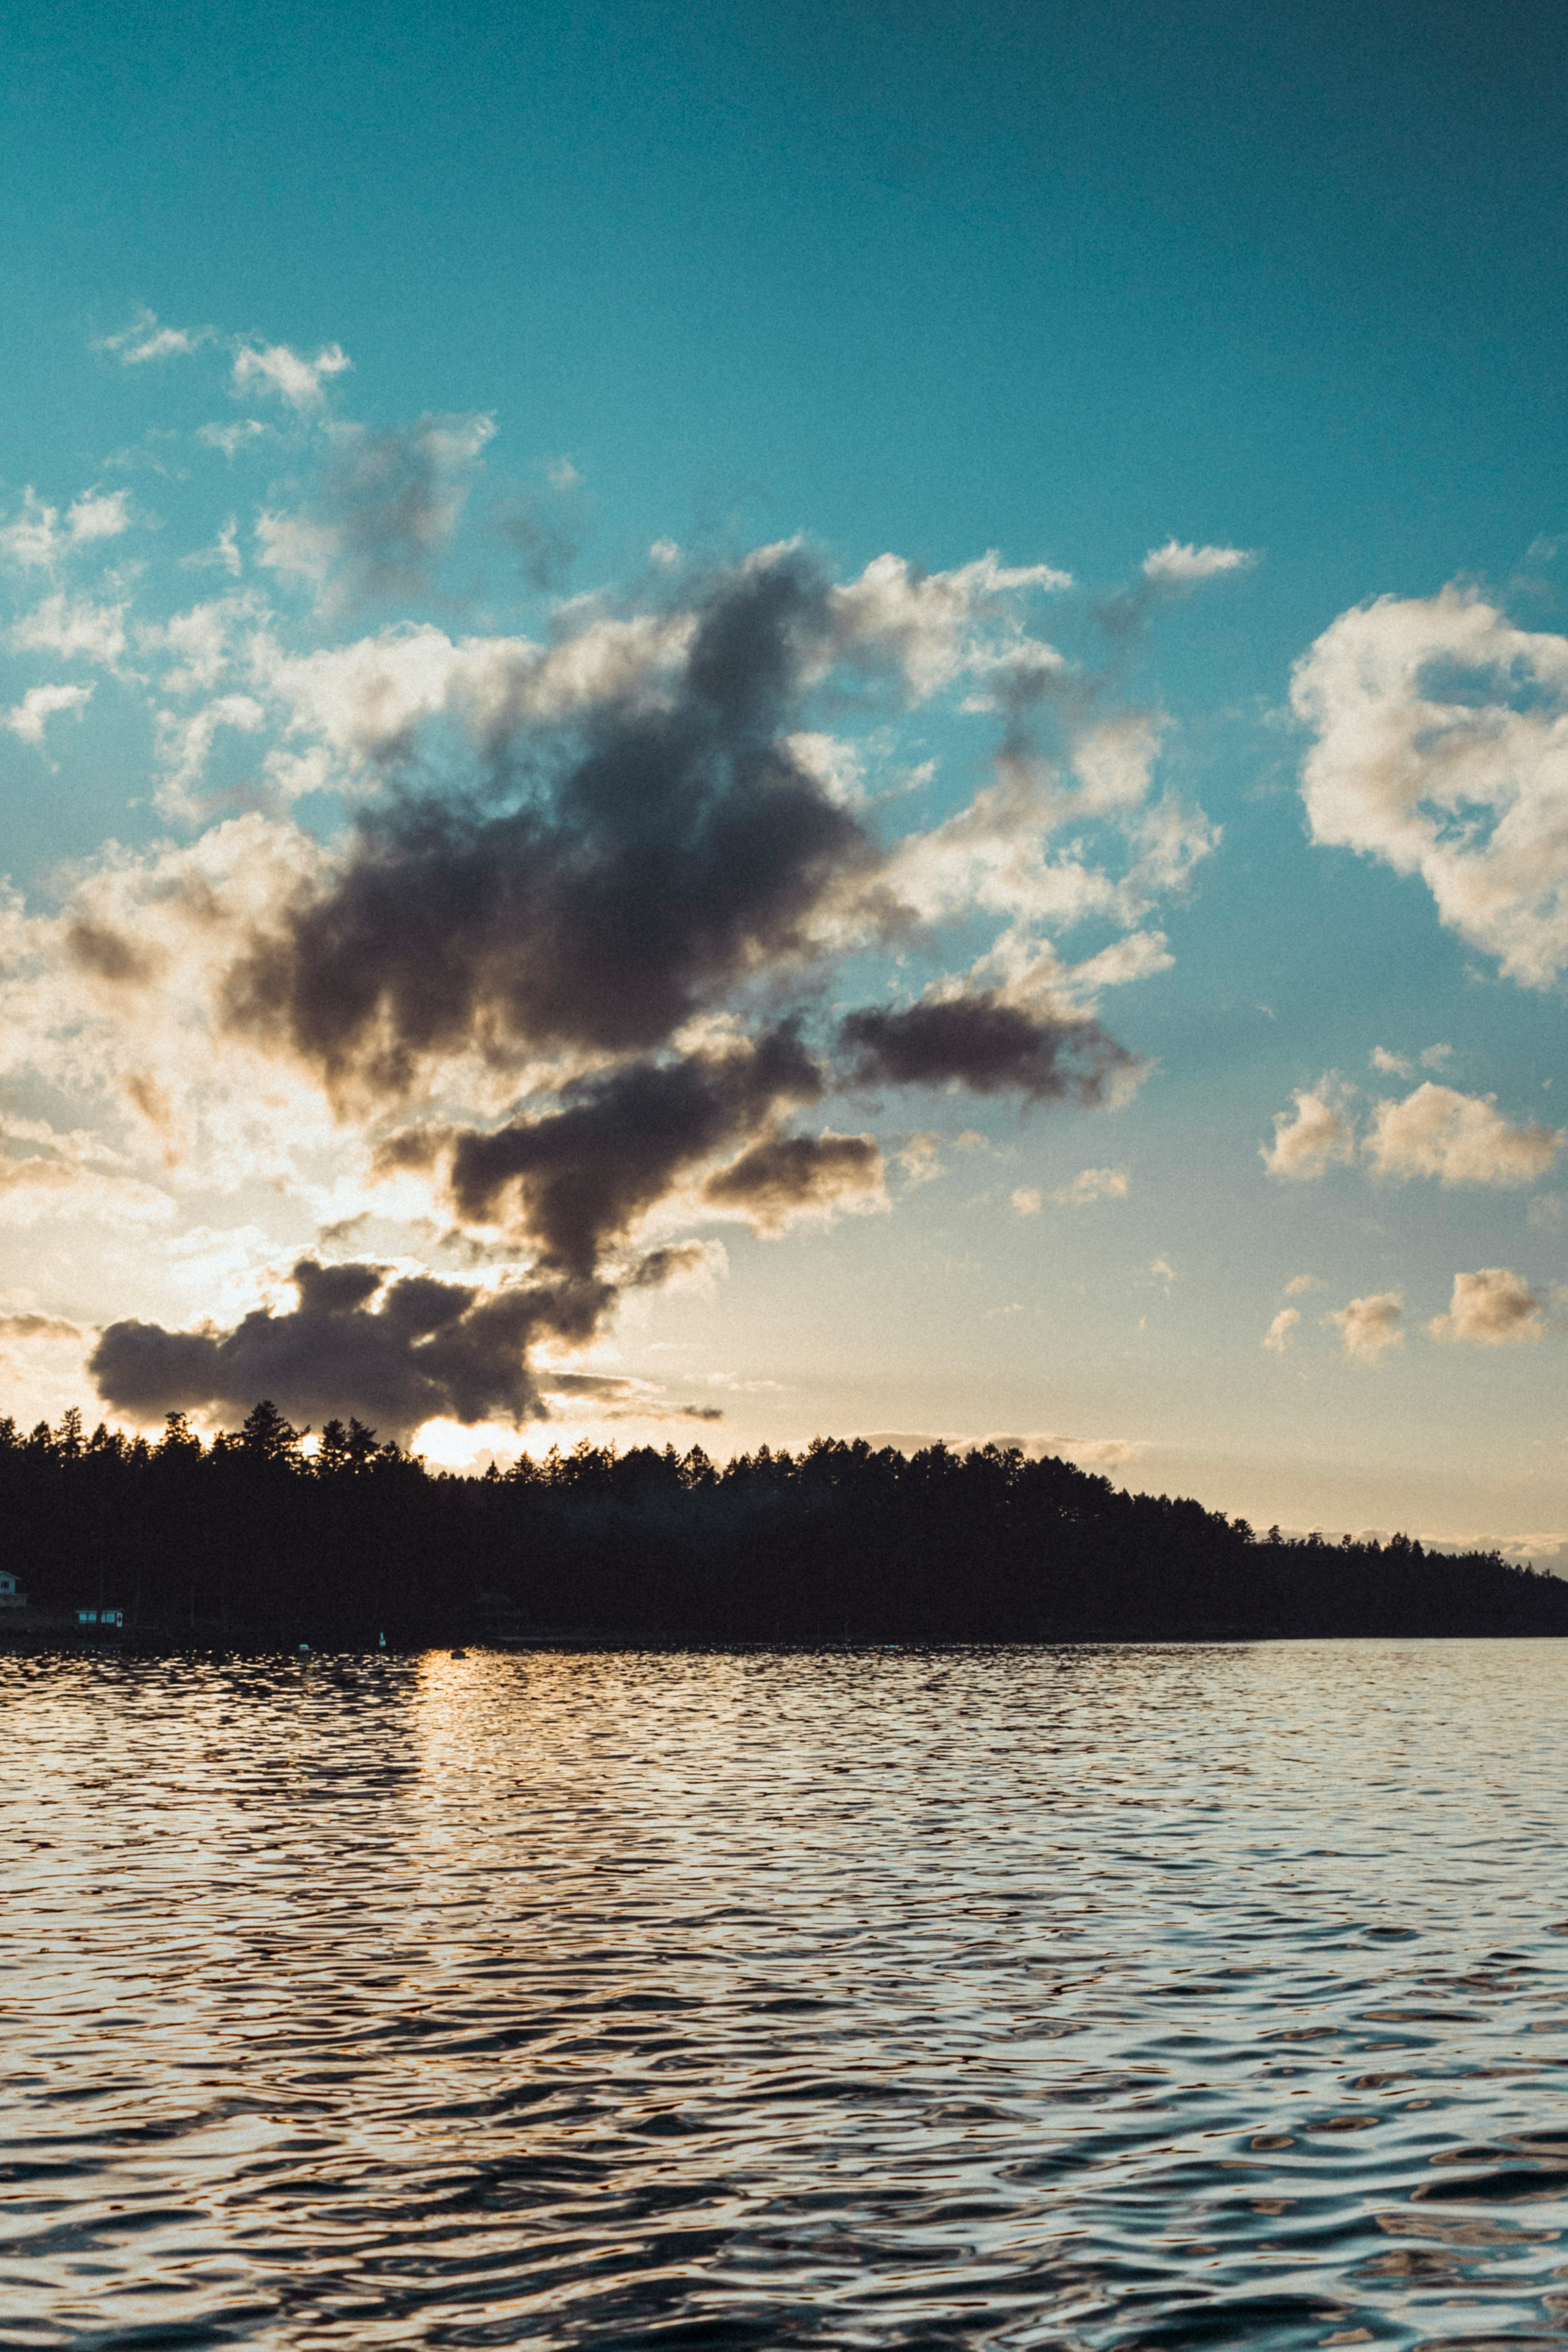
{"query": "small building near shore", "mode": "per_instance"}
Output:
(100, 1616)
(11, 1594)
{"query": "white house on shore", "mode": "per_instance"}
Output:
(11, 1594)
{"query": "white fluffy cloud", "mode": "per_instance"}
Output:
(932, 625)
(1092, 1184)
(27, 718)
(37, 540)
(1494, 1306)
(295, 547)
(1314, 1135)
(1434, 1132)
(1175, 565)
(75, 629)
(97, 515)
(1369, 1326)
(1442, 749)
(1459, 1139)
(287, 373)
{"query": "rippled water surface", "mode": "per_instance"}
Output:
(1079, 1998)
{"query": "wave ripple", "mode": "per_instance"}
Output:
(1072, 1998)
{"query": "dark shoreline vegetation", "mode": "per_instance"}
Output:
(248, 1542)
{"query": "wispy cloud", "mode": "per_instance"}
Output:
(145, 340)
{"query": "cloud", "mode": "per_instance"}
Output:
(1441, 748)
(1311, 1138)
(222, 555)
(575, 1181)
(73, 627)
(929, 626)
(145, 340)
(1459, 1139)
(232, 438)
(396, 1351)
(995, 854)
(26, 719)
(1028, 1200)
(536, 531)
(680, 851)
(1494, 1307)
(1278, 1336)
(921, 1158)
(97, 515)
(296, 547)
(42, 1186)
(36, 539)
(980, 1042)
(298, 381)
(1299, 1283)
(387, 511)
(1394, 1066)
(1089, 1453)
(32, 537)
(1092, 1184)
(783, 1178)
(367, 702)
(1434, 1131)
(185, 744)
(1093, 1452)
(1369, 1326)
(563, 978)
(39, 1327)
(1178, 566)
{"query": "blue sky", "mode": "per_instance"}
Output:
(1075, 285)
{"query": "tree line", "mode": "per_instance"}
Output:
(250, 1539)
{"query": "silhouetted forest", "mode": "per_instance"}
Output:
(249, 1539)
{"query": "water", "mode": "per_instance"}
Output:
(1079, 1998)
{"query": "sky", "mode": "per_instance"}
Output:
(718, 725)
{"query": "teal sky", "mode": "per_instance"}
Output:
(1281, 291)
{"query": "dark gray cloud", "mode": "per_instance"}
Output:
(650, 863)
(575, 1181)
(667, 1264)
(783, 1175)
(987, 1044)
(394, 1351)
(586, 888)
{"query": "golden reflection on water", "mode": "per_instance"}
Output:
(1095, 1997)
